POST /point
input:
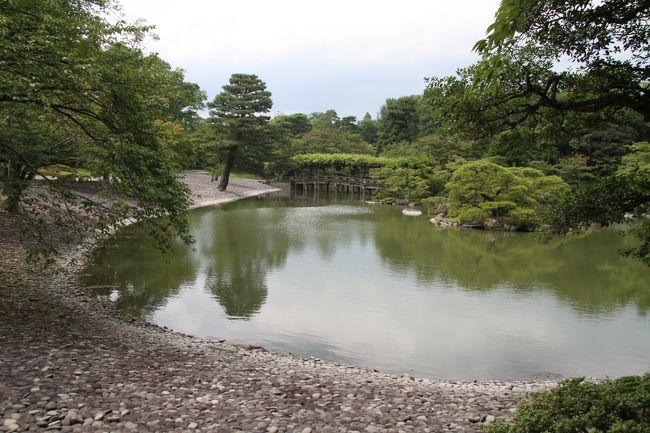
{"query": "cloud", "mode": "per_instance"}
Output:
(345, 55)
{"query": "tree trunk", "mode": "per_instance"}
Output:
(13, 187)
(225, 176)
(25, 172)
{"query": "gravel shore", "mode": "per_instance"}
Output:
(70, 362)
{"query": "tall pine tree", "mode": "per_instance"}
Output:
(240, 112)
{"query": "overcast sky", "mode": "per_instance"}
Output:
(347, 55)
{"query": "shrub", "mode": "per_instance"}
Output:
(614, 406)
(511, 195)
(637, 160)
(472, 215)
(402, 182)
(409, 178)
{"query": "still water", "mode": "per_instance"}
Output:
(365, 285)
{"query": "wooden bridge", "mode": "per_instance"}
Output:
(336, 184)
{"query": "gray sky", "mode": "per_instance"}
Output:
(346, 55)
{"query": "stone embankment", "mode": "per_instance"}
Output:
(72, 363)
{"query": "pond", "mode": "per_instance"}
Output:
(363, 284)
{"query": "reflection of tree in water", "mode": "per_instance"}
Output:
(142, 277)
(238, 249)
(241, 244)
(584, 271)
(241, 293)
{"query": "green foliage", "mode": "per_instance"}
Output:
(435, 147)
(617, 406)
(574, 170)
(330, 140)
(402, 182)
(238, 113)
(60, 170)
(472, 215)
(279, 164)
(340, 161)
(240, 108)
(637, 159)
(293, 124)
(604, 138)
(30, 138)
(472, 110)
(78, 90)
(592, 34)
(349, 124)
(519, 127)
(244, 175)
(398, 120)
(517, 147)
(204, 152)
(556, 113)
(368, 129)
(606, 202)
(641, 231)
(325, 120)
(480, 190)
(409, 178)
(587, 32)
(323, 132)
(525, 90)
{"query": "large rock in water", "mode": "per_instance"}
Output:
(441, 221)
(411, 212)
(492, 224)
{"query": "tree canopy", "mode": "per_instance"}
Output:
(240, 111)
(77, 87)
(481, 190)
(605, 42)
(561, 82)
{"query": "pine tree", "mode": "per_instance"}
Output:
(240, 111)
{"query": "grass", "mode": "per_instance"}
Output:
(60, 171)
(244, 175)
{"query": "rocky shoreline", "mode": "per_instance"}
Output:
(70, 362)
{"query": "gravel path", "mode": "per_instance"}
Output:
(205, 193)
(69, 362)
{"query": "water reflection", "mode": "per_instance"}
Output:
(238, 246)
(236, 251)
(135, 275)
(584, 270)
(364, 284)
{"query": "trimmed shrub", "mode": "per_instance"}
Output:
(613, 406)
(509, 195)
